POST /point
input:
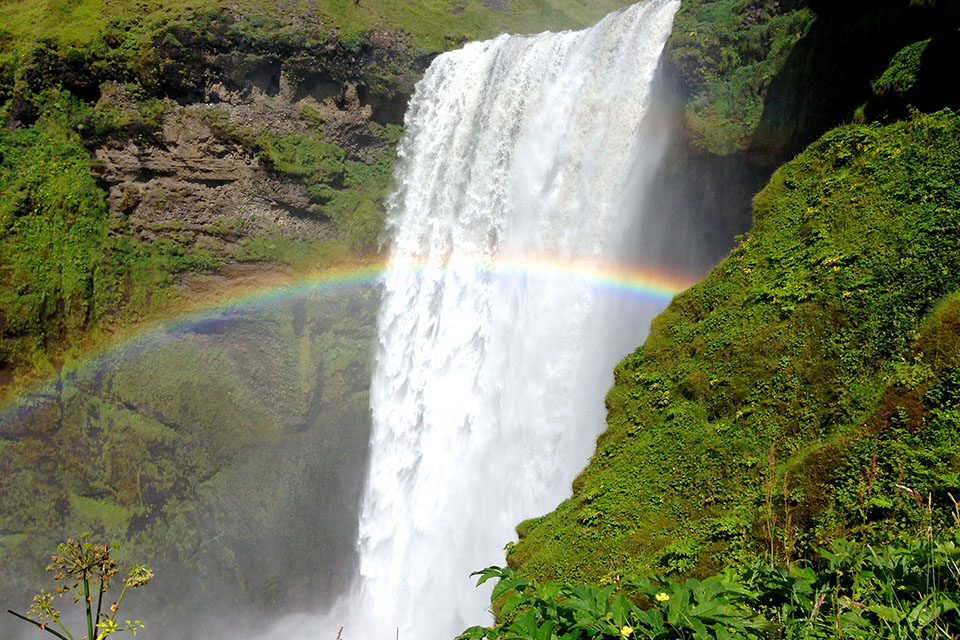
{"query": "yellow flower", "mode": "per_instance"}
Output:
(626, 631)
(662, 597)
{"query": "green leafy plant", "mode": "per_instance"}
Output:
(901, 590)
(79, 567)
(717, 607)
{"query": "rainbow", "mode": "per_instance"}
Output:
(655, 286)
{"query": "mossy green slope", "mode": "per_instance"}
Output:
(201, 448)
(433, 25)
(779, 356)
(66, 263)
(773, 75)
(726, 54)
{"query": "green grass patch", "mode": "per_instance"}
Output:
(100, 513)
(901, 75)
(433, 25)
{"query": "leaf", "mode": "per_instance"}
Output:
(505, 584)
(928, 615)
(643, 585)
(709, 609)
(544, 632)
(512, 603)
(947, 604)
(525, 626)
(620, 608)
(888, 614)
(803, 573)
(759, 623)
(713, 587)
(550, 590)
(699, 629)
(490, 572)
(918, 610)
(473, 633)
(652, 618)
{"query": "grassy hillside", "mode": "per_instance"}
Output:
(432, 24)
(781, 401)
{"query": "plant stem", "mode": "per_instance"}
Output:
(43, 627)
(100, 602)
(117, 603)
(60, 624)
(86, 601)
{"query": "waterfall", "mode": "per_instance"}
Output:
(490, 375)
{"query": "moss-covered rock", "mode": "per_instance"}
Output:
(771, 76)
(900, 77)
(727, 53)
(201, 446)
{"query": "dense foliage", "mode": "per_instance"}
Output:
(727, 53)
(901, 590)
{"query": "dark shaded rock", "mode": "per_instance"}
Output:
(499, 5)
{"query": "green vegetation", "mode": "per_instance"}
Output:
(435, 26)
(901, 75)
(727, 53)
(432, 25)
(86, 565)
(357, 210)
(53, 223)
(901, 590)
(236, 425)
(777, 405)
(68, 264)
(319, 162)
(351, 192)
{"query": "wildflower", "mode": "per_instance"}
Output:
(626, 631)
(107, 627)
(662, 597)
(139, 576)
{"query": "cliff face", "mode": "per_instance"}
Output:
(204, 446)
(770, 76)
(202, 143)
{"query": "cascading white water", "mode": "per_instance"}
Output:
(489, 382)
